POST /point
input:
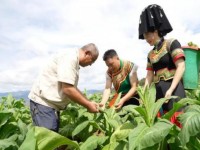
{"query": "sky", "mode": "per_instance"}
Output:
(32, 31)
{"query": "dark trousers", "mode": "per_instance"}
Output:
(44, 116)
(132, 101)
(161, 89)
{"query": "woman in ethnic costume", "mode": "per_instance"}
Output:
(166, 61)
(122, 74)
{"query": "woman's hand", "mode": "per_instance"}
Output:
(119, 105)
(168, 94)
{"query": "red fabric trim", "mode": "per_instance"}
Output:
(173, 119)
(178, 56)
(150, 69)
(158, 115)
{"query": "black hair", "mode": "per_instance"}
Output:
(160, 33)
(109, 54)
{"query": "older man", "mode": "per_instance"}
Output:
(56, 86)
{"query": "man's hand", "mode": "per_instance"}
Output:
(102, 105)
(93, 107)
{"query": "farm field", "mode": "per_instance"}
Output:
(131, 128)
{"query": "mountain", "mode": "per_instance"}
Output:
(93, 91)
(17, 95)
(24, 94)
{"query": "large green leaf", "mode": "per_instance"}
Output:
(96, 125)
(175, 108)
(4, 117)
(150, 95)
(156, 107)
(23, 130)
(43, 139)
(143, 113)
(194, 143)
(80, 127)
(113, 123)
(156, 133)
(140, 91)
(81, 112)
(5, 143)
(109, 113)
(8, 130)
(67, 130)
(193, 108)
(149, 108)
(129, 113)
(143, 136)
(88, 115)
(122, 145)
(92, 142)
(129, 109)
(30, 141)
(121, 132)
(183, 102)
(191, 123)
(111, 146)
(147, 97)
(173, 140)
(136, 136)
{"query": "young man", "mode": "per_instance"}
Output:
(56, 86)
(122, 74)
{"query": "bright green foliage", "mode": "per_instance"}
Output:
(143, 136)
(131, 128)
(39, 138)
(121, 132)
(17, 107)
(93, 142)
(14, 118)
(149, 106)
(195, 93)
(191, 124)
(150, 131)
(180, 104)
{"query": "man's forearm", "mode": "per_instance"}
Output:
(75, 95)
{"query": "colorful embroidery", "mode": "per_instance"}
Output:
(164, 74)
(155, 56)
(120, 76)
(164, 69)
(177, 53)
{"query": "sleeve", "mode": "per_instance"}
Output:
(176, 51)
(134, 69)
(108, 77)
(66, 70)
(149, 65)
